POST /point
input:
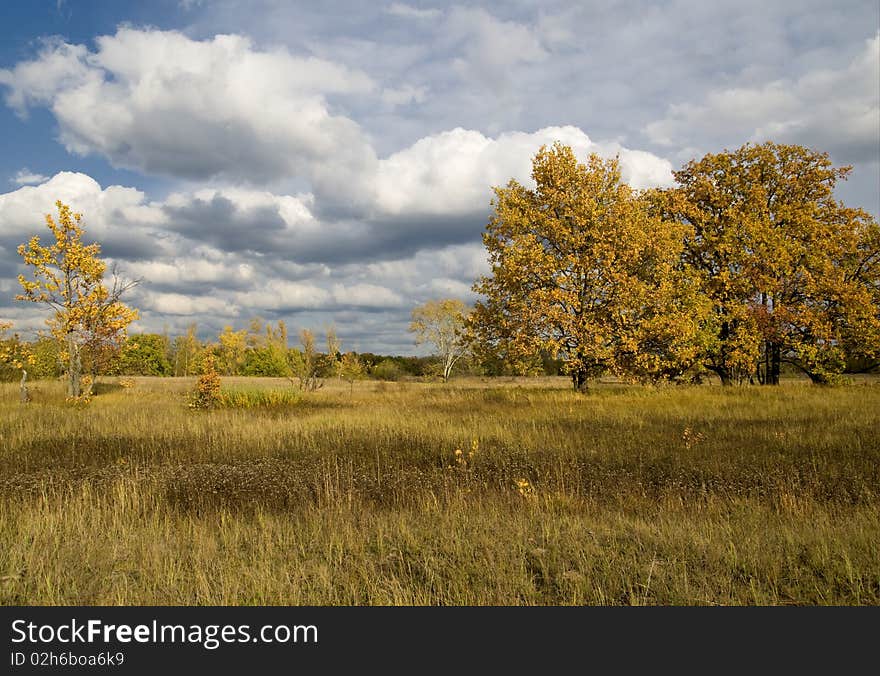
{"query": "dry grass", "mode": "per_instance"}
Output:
(628, 495)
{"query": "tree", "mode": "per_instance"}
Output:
(232, 350)
(15, 356)
(350, 369)
(307, 364)
(47, 357)
(68, 277)
(442, 324)
(145, 355)
(582, 272)
(792, 275)
(207, 394)
(186, 350)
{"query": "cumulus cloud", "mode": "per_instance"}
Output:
(187, 305)
(160, 102)
(27, 177)
(117, 217)
(831, 109)
(189, 275)
(453, 172)
(285, 209)
(222, 110)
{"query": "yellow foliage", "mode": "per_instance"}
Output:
(791, 273)
(68, 277)
(583, 271)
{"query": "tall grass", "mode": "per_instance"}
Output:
(518, 492)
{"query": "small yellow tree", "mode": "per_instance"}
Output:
(207, 394)
(68, 277)
(350, 368)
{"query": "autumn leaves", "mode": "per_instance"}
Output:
(748, 263)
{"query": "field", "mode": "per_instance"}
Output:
(476, 492)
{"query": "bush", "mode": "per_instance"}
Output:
(387, 370)
(207, 394)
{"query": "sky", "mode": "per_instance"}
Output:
(331, 163)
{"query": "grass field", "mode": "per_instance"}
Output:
(496, 492)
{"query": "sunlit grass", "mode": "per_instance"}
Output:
(498, 492)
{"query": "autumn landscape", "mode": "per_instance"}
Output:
(502, 369)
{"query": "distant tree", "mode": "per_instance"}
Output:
(48, 362)
(441, 323)
(68, 277)
(387, 369)
(581, 272)
(185, 351)
(254, 337)
(330, 362)
(350, 369)
(269, 360)
(231, 353)
(145, 355)
(306, 363)
(792, 275)
(266, 352)
(16, 358)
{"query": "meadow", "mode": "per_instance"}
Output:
(501, 491)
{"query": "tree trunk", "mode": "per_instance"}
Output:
(74, 366)
(579, 380)
(723, 373)
(818, 378)
(23, 388)
(775, 364)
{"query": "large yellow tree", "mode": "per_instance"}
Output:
(68, 277)
(792, 274)
(581, 270)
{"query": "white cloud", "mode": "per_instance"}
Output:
(188, 305)
(453, 172)
(408, 12)
(160, 102)
(27, 177)
(366, 296)
(284, 295)
(60, 66)
(837, 110)
(116, 216)
(182, 272)
(163, 103)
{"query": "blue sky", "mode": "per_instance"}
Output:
(331, 162)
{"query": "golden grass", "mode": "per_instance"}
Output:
(629, 495)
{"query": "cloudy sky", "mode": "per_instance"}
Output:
(331, 163)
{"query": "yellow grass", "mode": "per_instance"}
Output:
(629, 495)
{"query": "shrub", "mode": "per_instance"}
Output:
(207, 393)
(387, 370)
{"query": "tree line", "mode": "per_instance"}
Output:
(260, 349)
(748, 265)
